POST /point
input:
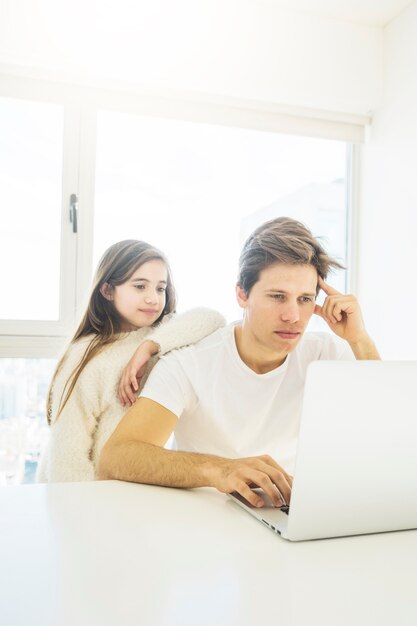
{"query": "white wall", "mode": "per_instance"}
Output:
(241, 48)
(388, 202)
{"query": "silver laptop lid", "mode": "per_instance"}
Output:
(356, 464)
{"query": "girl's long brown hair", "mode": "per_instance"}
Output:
(101, 319)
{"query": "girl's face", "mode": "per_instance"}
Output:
(141, 299)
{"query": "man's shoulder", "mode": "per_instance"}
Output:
(179, 377)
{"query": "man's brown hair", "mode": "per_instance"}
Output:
(281, 240)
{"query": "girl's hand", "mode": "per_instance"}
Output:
(134, 372)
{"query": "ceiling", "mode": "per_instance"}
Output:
(372, 12)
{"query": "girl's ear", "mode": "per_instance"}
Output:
(106, 291)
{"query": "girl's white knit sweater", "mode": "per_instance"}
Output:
(93, 409)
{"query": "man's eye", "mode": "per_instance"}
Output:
(277, 296)
(306, 299)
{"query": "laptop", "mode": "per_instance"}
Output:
(356, 463)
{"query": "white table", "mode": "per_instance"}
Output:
(120, 554)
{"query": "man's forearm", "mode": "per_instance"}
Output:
(365, 350)
(142, 462)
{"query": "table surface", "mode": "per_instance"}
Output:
(114, 553)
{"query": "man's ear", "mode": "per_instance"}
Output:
(241, 297)
(106, 291)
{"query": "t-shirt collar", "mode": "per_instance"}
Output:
(275, 373)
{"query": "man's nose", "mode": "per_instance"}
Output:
(290, 313)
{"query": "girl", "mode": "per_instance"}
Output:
(132, 300)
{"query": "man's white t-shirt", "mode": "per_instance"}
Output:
(225, 408)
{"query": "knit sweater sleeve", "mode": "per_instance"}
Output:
(177, 331)
(71, 437)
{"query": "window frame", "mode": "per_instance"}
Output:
(68, 243)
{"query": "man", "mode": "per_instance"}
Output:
(234, 399)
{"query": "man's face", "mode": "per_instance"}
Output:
(279, 307)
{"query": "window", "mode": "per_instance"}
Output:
(23, 429)
(197, 191)
(30, 187)
(37, 254)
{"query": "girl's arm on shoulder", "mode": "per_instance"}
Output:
(174, 331)
(177, 331)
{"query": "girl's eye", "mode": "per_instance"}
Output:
(140, 286)
(162, 289)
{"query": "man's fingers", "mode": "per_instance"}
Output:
(326, 312)
(337, 311)
(278, 475)
(335, 308)
(250, 495)
(282, 485)
(272, 481)
(263, 481)
(262, 471)
(330, 291)
(270, 461)
(318, 310)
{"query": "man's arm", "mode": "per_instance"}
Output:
(134, 453)
(343, 315)
(365, 350)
